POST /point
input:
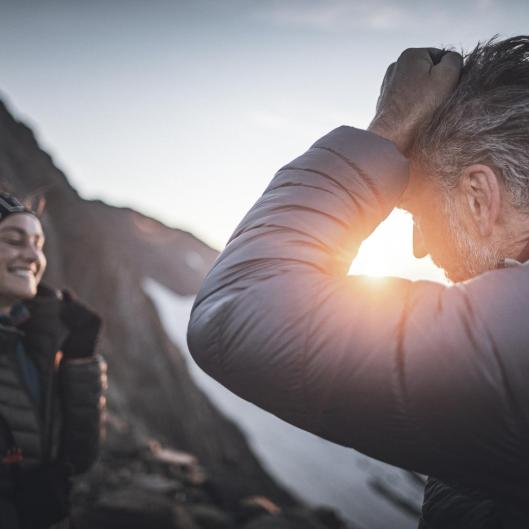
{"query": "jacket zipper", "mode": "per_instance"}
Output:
(48, 410)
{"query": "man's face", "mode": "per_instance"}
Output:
(442, 228)
(22, 260)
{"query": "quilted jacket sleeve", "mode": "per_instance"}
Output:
(82, 384)
(411, 373)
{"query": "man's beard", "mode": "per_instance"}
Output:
(470, 257)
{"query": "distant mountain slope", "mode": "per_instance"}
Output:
(365, 491)
(103, 253)
(106, 255)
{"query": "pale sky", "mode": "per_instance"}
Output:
(184, 110)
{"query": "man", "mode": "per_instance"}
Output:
(423, 376)
(49, 400)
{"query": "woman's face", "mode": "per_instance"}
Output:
(22, 260)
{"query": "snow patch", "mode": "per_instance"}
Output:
(194, 260)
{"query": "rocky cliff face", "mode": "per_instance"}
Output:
(171, 460)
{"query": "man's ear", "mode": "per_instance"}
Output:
(481, 188)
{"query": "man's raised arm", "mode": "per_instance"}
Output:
(389, 368)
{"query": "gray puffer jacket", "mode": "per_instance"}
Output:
(430, 378)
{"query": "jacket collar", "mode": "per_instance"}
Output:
(18, 315)
(522, 258)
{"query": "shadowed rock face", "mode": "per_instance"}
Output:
(104, 253)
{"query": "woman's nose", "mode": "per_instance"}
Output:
(419, 249)
(30, 253)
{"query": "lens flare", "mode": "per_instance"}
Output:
(389, 252)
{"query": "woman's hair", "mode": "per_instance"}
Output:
(34, 202)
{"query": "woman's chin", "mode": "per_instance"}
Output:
(24, 293)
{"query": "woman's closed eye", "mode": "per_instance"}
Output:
(14, 242)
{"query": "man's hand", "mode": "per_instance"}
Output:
(413, 88)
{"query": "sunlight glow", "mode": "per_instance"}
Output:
(389, 252)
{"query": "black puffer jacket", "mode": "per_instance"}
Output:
(63, 426)
(426, 377)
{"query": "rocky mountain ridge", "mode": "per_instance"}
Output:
(170, 459)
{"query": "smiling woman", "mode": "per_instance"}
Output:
(22, 260)
(50, 380)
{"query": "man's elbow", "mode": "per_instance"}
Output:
(202, 338)
(195, 335)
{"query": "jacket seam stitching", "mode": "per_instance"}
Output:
(368, 180)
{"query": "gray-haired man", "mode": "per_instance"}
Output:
(427, 377)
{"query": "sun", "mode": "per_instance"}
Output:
(389, 252)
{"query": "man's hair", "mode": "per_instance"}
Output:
(485, 120)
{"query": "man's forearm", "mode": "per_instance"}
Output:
(332, 197)
(382, 367)
(302, 232)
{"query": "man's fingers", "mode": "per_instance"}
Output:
(452, 59)
(420, 57)
(435, 54)
(448, 70)
(389, 73)
(417, 62)
(385, 83)
(413, 87)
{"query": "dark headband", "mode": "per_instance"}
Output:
(10, 204)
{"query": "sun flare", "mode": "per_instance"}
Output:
(389, 252)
